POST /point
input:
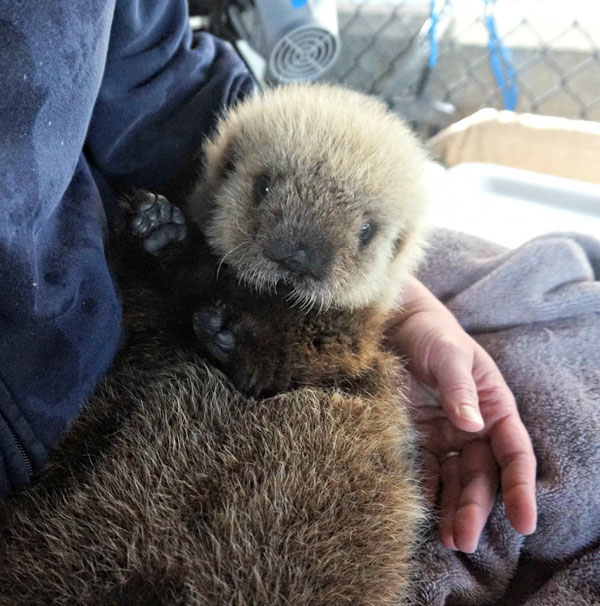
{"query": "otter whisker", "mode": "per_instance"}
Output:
(273, 282)
(241, 230)
(225, 256)
(302, 301)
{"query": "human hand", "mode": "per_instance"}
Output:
(472, 435)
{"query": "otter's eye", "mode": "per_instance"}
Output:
(366, 233)
(261, 188)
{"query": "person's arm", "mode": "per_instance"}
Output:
(126, 78)
(59, 309)
(476, 430)
(162, 93)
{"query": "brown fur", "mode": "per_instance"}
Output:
(278, 346)
(173, 489)
(333, 160)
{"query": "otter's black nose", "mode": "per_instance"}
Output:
(296, 262)
(310, 255)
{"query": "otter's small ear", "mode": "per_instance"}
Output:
(199, 203)
(398, 244)
(228, 161)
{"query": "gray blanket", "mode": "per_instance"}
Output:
(536, 310)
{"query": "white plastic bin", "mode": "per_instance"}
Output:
(510, 206)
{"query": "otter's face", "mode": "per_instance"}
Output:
(303, 205)
(298, 231)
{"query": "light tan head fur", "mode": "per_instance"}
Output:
(304, 167)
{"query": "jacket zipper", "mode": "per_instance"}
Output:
(22, 450)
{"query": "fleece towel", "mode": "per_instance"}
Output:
(536, 310)
(127, 79)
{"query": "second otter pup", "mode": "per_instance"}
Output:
(317, 188)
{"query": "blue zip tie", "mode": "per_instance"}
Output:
(299, 3)
(501, 61)
(434, 16)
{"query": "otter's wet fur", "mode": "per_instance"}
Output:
(317, 187)
(173, 489)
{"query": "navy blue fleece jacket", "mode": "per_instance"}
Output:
(93, 92)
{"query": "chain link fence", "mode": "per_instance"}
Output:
(555, 48)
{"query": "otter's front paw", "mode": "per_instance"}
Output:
(210, 327)
(230, 340)
(157, 222)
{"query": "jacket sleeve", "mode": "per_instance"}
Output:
(59, 309)
(128, 77)
(162, 92)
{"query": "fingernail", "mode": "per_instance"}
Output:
(471, 414)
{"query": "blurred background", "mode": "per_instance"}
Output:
(385, 47)
(554, 46)
(506, 176)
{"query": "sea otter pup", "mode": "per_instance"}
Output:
(314, 187)
(173, 489)
(264, 344)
